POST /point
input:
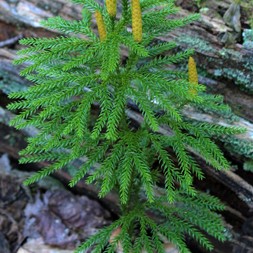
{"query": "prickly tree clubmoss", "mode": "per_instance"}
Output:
(71, 74)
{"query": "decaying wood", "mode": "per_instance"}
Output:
(11, 41)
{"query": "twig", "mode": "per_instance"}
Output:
(11, 41)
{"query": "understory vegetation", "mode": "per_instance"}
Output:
(150, 165)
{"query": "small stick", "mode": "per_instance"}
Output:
(11, 41)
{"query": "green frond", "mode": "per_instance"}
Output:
(146, 108)
(209, 221)
(48, 170)
(57, 45)
(210, 151)
(125, 238)
(161, 48)
(81, 118)
(147, 4)
(214, 104)
(160, 61)
(87, 16)
(182, 226)
(125, 10)
(181, 152)
(161, 91)
(196, 170)
(108, 182)
(126, 170)
(174, 237)
(179, 219)
(94, 157)
(158, 244)
(171, 24)
(99, 240)
(146, 178)
(211, 129)
(90, 54)
(46, 156)
(67, 27)
(18, 105)
(146, 243)
(170, 172)
(111, 57)
(106, 105)
(90, 5)
(107, 170)
(135, 47)
(116, 113)
(202, 199)
(151, 18)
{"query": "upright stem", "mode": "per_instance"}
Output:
(125, 8)
(133, 194)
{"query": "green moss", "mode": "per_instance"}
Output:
(248, 165)
(243, 78)
(10, 83)
(238, 146)
(227, 53)
(50, 183)
(248, 38)
(196, 43)
(244, 81)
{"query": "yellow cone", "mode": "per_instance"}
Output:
(193, 76)
(136, 20)
(111, 6)
(100, 25)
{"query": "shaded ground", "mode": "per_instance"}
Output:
(46, 214)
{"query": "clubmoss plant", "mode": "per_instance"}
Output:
(72, 75)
